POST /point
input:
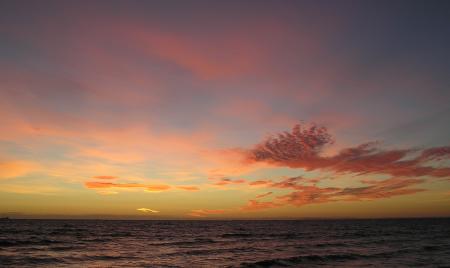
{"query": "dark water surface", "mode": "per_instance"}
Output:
(325, 243)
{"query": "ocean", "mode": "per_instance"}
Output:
(304, 243)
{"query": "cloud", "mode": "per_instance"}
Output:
(147, 187)
(260, 183)
(382, 189)
(377, 190)
(301, 148)
(106, 192)
(309, 195)
(205, 212)
(147, 210)
(293, 182)
(263, 195)
(16, 168)
(303, 142)
(95, 184)
(227, 181)
(312, 194)
(229, 54)
(157, 188)
(188, 188)
(103, 177)
(27, 188)
(287, 183)
(257, 205)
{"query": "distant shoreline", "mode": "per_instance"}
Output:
(188, 220)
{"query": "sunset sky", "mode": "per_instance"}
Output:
(224, 109)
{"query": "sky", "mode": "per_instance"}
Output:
(224, 109)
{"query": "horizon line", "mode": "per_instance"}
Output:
(225, 219)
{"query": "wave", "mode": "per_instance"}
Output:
(16, 243)
(324, 245)
(238, 235)
(27, 261)
(215, 251)
(264, 236)
(308, 259)
(432, 248)
(97, 239)
(197, 241)
(109, 257)
(66, 231)
(65, 248)
(123, 234)
(302, 259)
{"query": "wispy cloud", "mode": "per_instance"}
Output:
(303, 194)
(146, 187)
(263, 195)
(16, 168)
(205, 212)
(227, 181)
(258, 205)
(157, 188)
(105, 177)
(96, 184)
(188, 188)
(152, 188)
(260, 183)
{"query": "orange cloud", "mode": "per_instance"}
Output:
(227, 181)
(293, 183)
(188, 188)
(382, 189)
(95, 184)
(148, 188)
(307, 194)
(205, 212)
(377, 190)
(260, 183)
(156, 188)
(11, 169)
(105, 177)
(263, 195)
(257, 205)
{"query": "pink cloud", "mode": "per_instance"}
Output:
(303, 142)
(301, 148)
